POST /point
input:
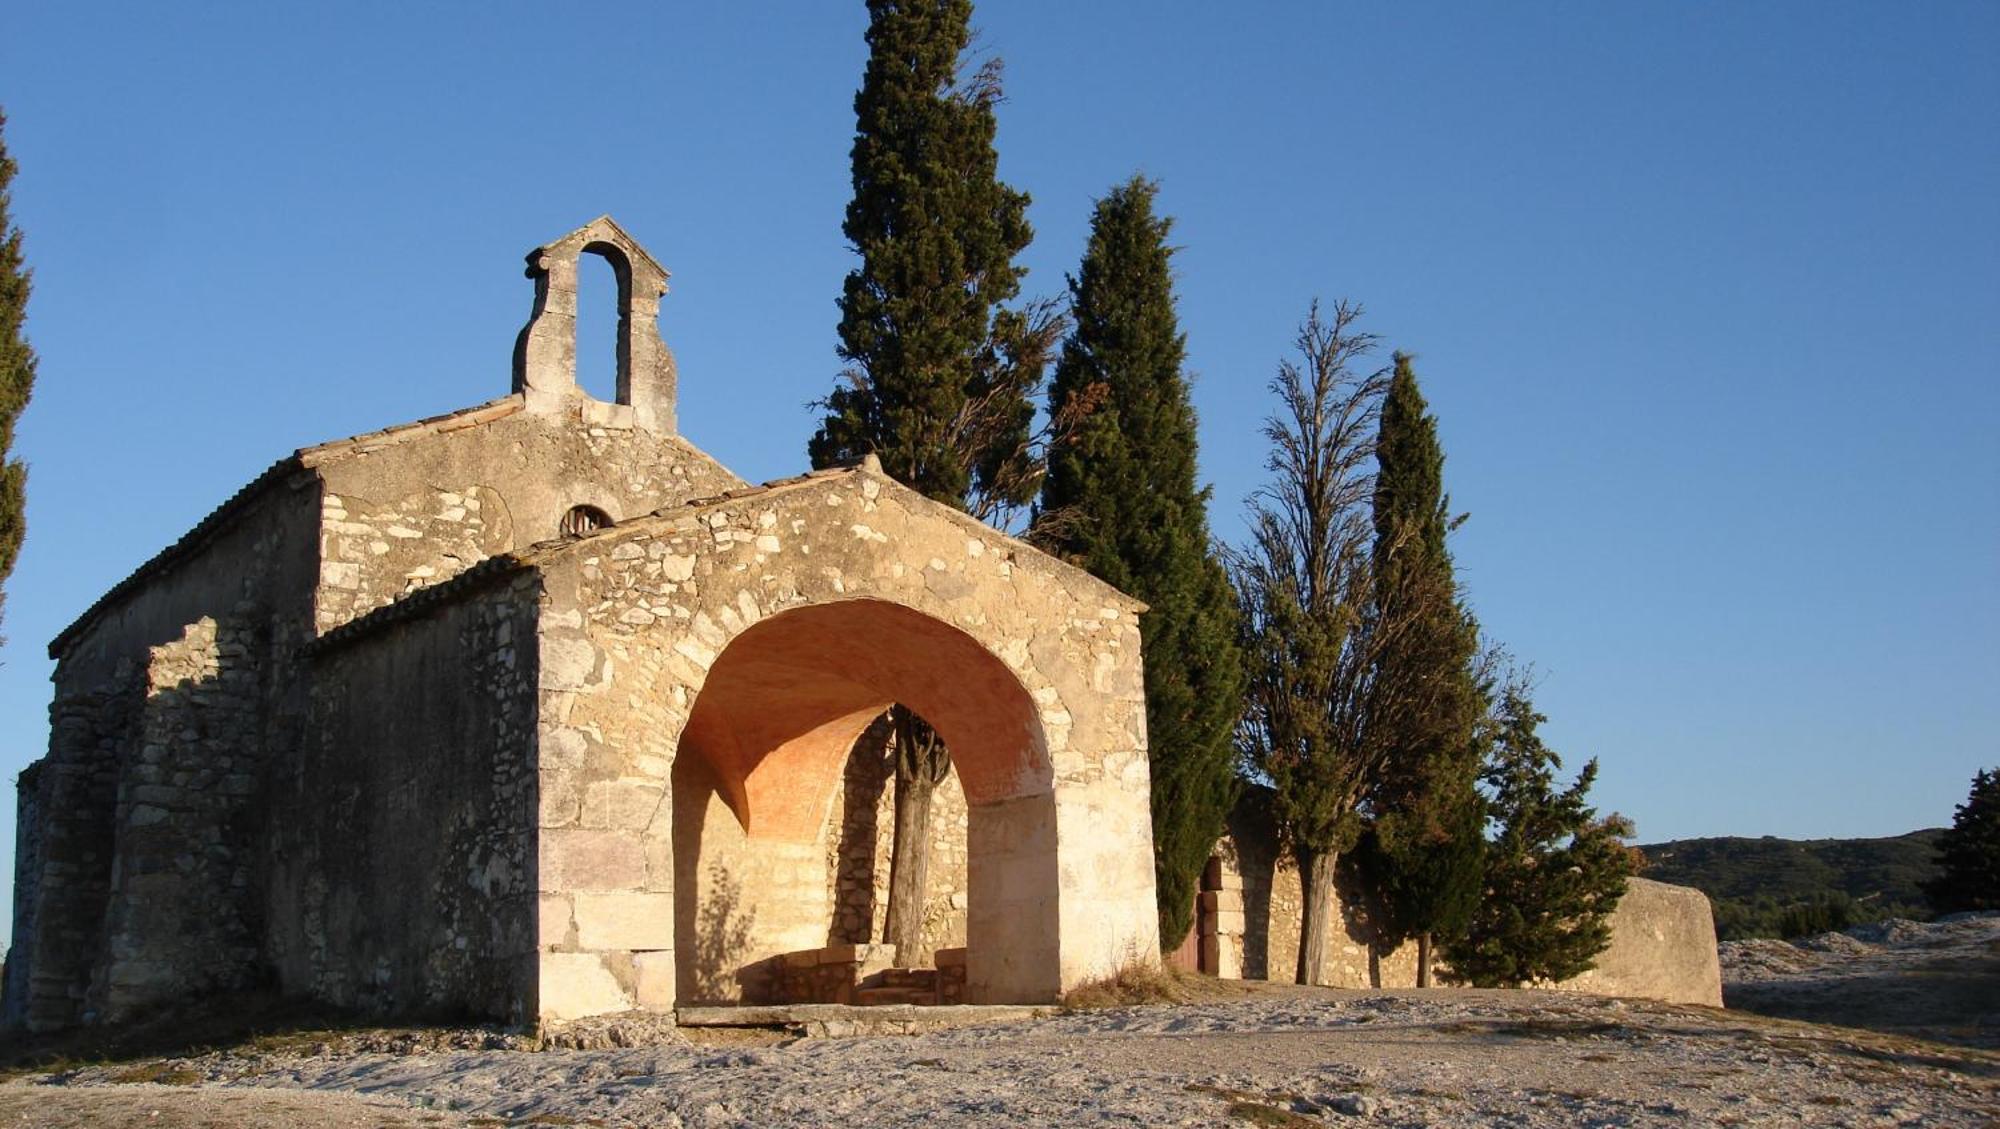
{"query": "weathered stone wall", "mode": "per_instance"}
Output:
(402, 516)
(404, 831)
(181, 915)
(28, 834)
(1274, 904)
(861, 845)
(745, 900)
(1662, 948)
(1662, 937)
(249, 565)
(639, 618)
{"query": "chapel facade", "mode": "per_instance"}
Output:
(534, 711)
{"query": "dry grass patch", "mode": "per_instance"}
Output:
(159, 1073)
(1137, 981)
(1257, 1113)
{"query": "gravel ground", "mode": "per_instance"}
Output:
(1267, 1055)
(1933, 980)
(1440, 1058)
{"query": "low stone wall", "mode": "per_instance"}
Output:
(1662, 937)
(1273, 901)
(1662, 948)
(830, 975)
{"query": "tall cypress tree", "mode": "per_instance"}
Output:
(17, 370)
(922, 320)
(941, 376)
(1425, 850)
(1123, 503)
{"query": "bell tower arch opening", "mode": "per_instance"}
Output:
(762, 757)
(545, 354)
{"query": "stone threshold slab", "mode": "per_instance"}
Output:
(836, 1021)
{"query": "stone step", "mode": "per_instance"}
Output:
(881, 997)
(925, 978)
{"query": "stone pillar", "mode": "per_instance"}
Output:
(1221, 923)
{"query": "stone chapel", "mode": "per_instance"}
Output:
(534, 711)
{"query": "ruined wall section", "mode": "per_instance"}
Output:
(181, 918)
(405, 834)
(402, 516)
(63, 881)
(1662, 948)
(1273, 902)
(1662, 937)
(250, 562)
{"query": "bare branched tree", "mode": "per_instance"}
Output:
(1319, 716)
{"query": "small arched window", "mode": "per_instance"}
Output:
(584, 519)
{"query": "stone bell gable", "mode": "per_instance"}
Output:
(534, 711)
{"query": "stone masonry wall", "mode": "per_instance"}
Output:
(248, 564)
(405, 832)
(1273, 909)
(61, 887)
(860, 844)
(181, 916)
(405, 516)
(1662, 936)
(639, 614)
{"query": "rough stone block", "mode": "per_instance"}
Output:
(591, 860)
(855, 954)
(1222, 900)
(625, 921)
(653, 976)
(625, 804)
(554, 921)
(568, 664)
(574, 985)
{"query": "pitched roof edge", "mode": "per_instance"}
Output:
(187, 545)
(424, 600)
(302, 459)
(868, 467)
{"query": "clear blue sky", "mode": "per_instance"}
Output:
(1706, 297)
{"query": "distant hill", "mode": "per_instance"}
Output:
(1773, 887)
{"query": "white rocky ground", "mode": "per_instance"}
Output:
(1936, 980)
(1261, 1056)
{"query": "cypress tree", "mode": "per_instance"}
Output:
(1969, 852)
(17, 371)
(922, 323)
(1424, 853)
(1120, 499)
(1316, 724)
(1554, 872)
(941, 376)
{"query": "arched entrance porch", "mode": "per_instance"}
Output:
(759, 764)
